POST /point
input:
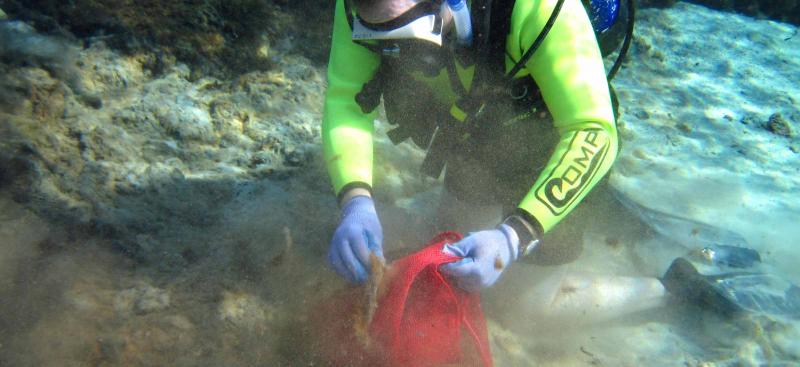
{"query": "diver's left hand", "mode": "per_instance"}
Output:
(485, 255)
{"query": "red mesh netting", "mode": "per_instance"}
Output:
(420, 319)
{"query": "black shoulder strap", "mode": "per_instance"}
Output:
(500, 27)
(481, 14)
(491, 23)
(481, 49)
(627, 42)
(500, 23)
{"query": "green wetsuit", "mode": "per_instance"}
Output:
(567, 67)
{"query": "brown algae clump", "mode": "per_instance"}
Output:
(373, 291)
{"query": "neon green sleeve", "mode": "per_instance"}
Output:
(346, 131)
(568, 68)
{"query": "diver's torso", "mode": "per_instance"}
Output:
(441, 89)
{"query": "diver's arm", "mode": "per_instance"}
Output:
(347, 148)
(568, 68)
(346, 130)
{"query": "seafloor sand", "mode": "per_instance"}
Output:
(697, 96)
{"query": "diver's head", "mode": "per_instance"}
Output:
(410, 32)
(379, 11)
(425, 20)
(382, 11)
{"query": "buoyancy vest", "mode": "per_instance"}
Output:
(418, 110)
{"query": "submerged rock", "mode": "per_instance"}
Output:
(245, 311)
(155, 166)
(141, 299)
(779, 125)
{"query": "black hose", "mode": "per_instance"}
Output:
(626, 43)
(528, 54)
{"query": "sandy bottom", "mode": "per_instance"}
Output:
(71, 300)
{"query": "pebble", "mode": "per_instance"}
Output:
(749, 119)
(142, 299)
(245, 310)
(642, 115)
(779, 125)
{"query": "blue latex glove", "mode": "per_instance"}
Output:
(359, 232)
(485, 255)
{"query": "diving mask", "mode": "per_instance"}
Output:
(423, 22)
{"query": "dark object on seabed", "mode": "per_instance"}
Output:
(732, 256)
(733, 294)
(683, 280)
(779, 126)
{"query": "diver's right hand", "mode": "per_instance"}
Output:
(358, 234)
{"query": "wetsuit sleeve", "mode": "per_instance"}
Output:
(568, 68)
(346, 130)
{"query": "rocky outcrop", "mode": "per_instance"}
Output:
(165, 163)
(782, 10)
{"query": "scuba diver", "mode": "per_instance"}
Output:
(510, 99)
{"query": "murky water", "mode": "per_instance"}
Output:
(183, 220)
(69, 299)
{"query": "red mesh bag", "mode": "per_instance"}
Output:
(420, 319)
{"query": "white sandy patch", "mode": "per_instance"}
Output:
(695, 96)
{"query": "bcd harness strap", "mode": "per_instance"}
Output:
(468, 109)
